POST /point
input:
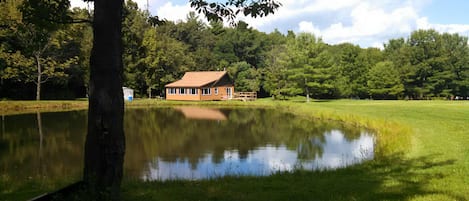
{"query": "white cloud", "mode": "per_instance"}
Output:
(422, 23)
(370, 23)
(292, 9)
(173, 12)
(378, 44)
(330, 5)
(309, 27)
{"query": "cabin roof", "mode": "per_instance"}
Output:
(198, 79)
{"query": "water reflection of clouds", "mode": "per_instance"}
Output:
(337, 152)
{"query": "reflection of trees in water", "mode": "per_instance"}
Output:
(45, 147)
(41, 165)
(3, 125)
(162, 132)
(167, 134)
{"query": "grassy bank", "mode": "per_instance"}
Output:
(21, 107)
(422, 155)
(422, 147)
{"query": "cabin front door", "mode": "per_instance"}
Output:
(229, 93)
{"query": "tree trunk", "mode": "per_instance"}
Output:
(105, 141)
(149, 92)
(39, 78)
(307, 90)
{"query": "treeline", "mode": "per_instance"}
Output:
(43, 53)
(426, 65)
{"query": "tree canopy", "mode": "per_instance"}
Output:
(425, 65)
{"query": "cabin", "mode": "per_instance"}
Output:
(201, 85)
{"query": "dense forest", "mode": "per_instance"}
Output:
(44, 60)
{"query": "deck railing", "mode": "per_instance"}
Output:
(245, 96)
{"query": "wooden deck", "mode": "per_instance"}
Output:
(245, 96)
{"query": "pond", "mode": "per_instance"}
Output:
(182, 143)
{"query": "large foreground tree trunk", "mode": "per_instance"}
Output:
(105, 142)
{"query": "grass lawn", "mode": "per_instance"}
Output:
(422, 154)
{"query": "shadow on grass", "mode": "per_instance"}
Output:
(392, 178)
(386, 179)
(321, 100)
(305, 101)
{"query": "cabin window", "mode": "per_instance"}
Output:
(171, 90)
(182, 91)
(193, 91)
(206, 91)
(216, 91)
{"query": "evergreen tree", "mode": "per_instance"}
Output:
(384, 81)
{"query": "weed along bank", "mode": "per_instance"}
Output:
(201, 85)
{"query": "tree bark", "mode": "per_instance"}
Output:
(39, 78)
(149, 92)
(105, 141)
(307, 90)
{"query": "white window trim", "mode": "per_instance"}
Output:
(230, 93)
(209, 92)
(193, 91)
(185, 90)
(171, 92)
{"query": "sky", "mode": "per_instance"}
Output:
(368, 23)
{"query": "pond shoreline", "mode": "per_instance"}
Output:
(25, 107)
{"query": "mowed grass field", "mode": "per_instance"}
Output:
(422, 153)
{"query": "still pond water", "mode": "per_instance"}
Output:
(182, 143)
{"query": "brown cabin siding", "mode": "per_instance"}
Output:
(221, 93)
